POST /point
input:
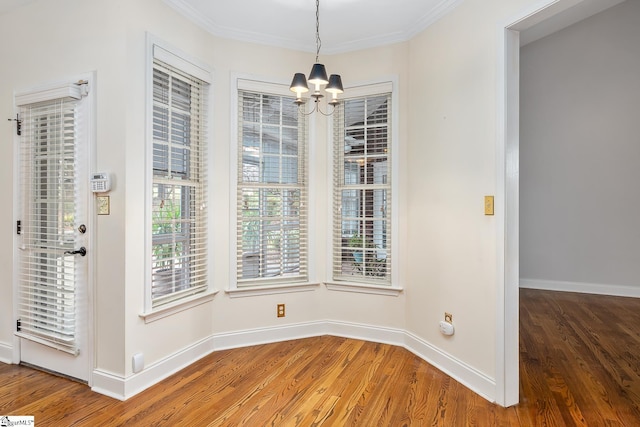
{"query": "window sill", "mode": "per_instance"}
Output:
(364, 288)
(252, 291)
(178, 306)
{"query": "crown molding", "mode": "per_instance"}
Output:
(441, 9)
(435, 14)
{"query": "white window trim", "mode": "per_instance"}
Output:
(250, 82)
(362, 288)
(252, 291)
(383, 85)
(178, 306)
(158, 49)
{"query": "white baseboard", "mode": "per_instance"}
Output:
(270, 335)
(365, 332)
(109, 384)
(471, 378)
(585, 288)
(6, 353)
(123, 388)
(461, 372)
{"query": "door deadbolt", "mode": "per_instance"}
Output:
(82, 229)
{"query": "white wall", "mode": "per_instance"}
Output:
(579, 154)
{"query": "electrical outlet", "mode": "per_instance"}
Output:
(280, 310)
(448, 317)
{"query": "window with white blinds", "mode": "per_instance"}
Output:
(48, 274)
(362, 190)
(271, 190)
(178, 194)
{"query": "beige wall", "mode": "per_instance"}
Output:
(452, 248)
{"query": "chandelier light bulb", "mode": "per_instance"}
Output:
(299, 86)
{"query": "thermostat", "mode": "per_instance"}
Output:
(100, 182)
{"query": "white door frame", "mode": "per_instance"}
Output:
(507, 189)
(508, 192)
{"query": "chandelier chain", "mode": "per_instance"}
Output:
(318, 41)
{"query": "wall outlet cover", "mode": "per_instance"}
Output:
(446, 328)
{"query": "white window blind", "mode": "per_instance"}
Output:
(48, 276)
(179, 212)
(362, 190)
(271, 190)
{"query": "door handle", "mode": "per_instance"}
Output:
(82, 251)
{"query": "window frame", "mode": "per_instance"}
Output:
(159, 50)
(249, 83)
(393, 288)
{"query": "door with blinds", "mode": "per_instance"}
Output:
(53, 230)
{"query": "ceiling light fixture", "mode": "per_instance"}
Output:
(318, 77)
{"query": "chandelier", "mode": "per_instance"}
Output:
(317, 77)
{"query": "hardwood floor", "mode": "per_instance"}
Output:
(580, 366)
(580, 359)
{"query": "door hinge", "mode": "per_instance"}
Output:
(18, 227)
(18, 124)
(18, 326)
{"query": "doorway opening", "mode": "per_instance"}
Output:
(529, 25)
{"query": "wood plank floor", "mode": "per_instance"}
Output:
(580, 366)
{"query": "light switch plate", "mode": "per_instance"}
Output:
(104, 207)
(488, 205)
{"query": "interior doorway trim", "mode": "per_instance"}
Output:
(508, 191)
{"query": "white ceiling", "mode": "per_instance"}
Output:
(348, 25)
(345, 25)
